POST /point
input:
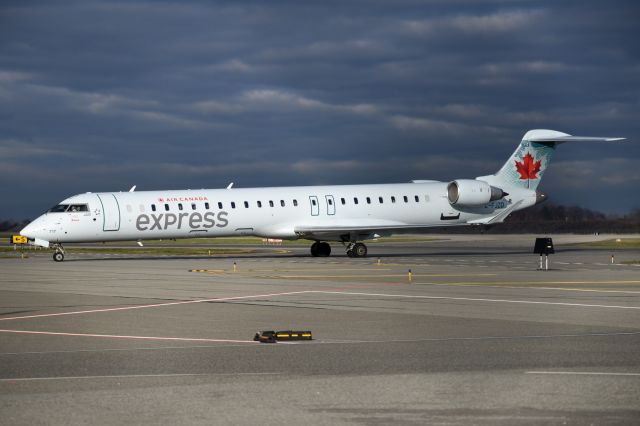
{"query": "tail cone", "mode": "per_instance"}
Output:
(540, 197)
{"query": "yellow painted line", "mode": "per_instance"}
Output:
(373, 268)
(480, 284)
(498, 283)
(384, 276)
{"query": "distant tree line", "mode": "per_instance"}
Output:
(543, 218)
(11, 225)
(552, 218)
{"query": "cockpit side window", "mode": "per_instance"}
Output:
(60, 208)
(78, 208)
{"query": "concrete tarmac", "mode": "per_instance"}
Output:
(478, 335)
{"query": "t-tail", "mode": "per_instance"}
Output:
(526, 166)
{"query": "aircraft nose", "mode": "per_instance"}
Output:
(36, 229)
(28, 231)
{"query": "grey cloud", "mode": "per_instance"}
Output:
(103, 95)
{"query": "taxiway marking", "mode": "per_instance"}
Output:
(473, 299)
(583, 373)
(116, 336)
(155, 305)
(135, 376)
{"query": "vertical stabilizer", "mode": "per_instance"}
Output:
(527, 164)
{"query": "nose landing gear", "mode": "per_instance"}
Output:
(58, 254)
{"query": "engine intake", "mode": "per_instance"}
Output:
(472, 193)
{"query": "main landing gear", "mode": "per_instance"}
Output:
(356, 250)
(322, 249)
(58, 254)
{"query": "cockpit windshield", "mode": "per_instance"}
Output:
(61, 208)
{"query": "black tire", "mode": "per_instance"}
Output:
(350, 253)
(324, 249)
(360, 250)
(314, 249)
(58, 256)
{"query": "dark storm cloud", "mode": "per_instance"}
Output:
(98, 96)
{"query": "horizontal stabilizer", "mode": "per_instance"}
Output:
(576, 139)
(552, 136)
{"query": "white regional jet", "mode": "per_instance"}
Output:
(347, 213)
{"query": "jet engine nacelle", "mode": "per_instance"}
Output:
(472, 193)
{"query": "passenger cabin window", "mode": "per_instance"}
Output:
(355, 200)
(406, 199)
(368, 200)
(295, 203)
(259, 203)
(417, 199)
(246, 204)
(206, 206)
(343, 201)
(219, 205)
(193, 206)
(270, 203)
(380, 200)
(330, 201)
(393, 199)
(179, 206)
(281, 203)
(166, 207)
(313, 201)
(153, 207)
(233, 204)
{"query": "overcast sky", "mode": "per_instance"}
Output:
(103, 95)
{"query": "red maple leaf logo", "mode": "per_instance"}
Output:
(160, 199)
(528, 168)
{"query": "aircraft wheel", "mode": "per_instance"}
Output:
(58, 256)
(359, 250)
(324, 249)
(314, 249)
(350, 253)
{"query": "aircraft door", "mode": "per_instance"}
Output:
(315, 206)
(110, 212)
(331, 205)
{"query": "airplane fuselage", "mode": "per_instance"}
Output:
(283, 212)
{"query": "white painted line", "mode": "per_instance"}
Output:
(583, 373)
(156, 305)
(116, 336)
(135, 376)
(479, 338)
(532, 302)
(151, 348)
